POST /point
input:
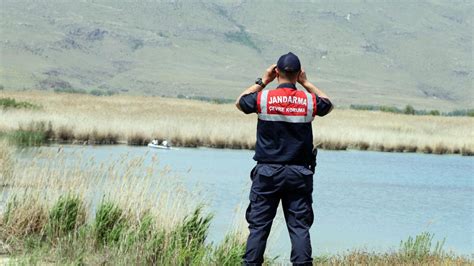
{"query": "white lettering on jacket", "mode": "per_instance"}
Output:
(287, 99)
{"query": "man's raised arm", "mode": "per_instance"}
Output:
(310, 87)
(267, 77)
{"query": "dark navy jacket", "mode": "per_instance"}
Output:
(284, 133)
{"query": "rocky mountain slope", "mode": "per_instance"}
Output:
(392, 53)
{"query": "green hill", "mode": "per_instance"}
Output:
(392, 53)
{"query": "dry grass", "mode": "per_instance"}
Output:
(136, 119)
(127, 181)
(71, 210)
(6, 163)
(394, 258)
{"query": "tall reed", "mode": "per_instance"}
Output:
(85, 119)
(6, 162)
(86, 212)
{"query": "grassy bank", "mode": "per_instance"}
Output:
(34, 234)
(136, 120)
(78, 211)
(61, 235)
(60, 211)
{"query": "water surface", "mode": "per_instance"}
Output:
(362, 199)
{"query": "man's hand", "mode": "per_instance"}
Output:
(302, 79)
(269, 75)
(310, 87)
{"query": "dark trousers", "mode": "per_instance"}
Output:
(293, 185)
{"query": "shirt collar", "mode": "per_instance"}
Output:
(287, 85)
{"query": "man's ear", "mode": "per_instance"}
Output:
(277, 72)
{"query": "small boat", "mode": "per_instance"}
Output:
(156, 145)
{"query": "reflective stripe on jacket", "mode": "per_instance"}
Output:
(286, 105)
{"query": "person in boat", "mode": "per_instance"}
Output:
(154, 142)
(165, 143)
(284, 157)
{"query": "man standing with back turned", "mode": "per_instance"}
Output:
(284, 157)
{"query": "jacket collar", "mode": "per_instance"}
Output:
(287, 85)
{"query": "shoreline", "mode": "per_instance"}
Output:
(242, 146)
(135, 120)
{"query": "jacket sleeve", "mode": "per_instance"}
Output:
(248, 103)
(323, 106)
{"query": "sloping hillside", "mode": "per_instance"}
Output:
(396, 53)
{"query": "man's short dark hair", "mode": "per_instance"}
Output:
(289, 75)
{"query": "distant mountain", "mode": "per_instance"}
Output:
(393, 53)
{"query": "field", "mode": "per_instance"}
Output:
(136, 120)
(59, 211)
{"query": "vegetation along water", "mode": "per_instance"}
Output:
(104, 205)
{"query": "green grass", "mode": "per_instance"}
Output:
(410, 110)
(65, 217)
(109, 223)
(461, 112)
(97, 92)
(62, 235)
(33, 134)
(207, 99)
(94, 92)
(420, 247)
(70, 90)
(112, 237)
(28, 138)
(37, 133)
(230, 251)
(7, 103)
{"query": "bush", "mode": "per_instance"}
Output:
(390, 109)
(382, 108)
(138, 139)
(231, 251)
(364, 107)
(70, 90)
(206, 99)
(27, 138)
(65, 217)
(420, 248)
(109, 223)
(64, 134)
(140, 241)
(33, 134)
(190, 235)
(466, 112)
(7, 103)
(434, 112)
(409, 110)
(97, 92)
(22, 218)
